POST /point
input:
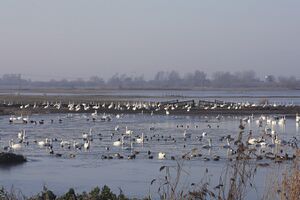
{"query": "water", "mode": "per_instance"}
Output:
(88, 170)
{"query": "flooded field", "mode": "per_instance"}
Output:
(127, 151)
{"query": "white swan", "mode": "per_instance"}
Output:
(45, 143)
(14, 146)
(140, 140)
(87, 144)
(119, 142)
(187, 135)
(128, 132)
(161, 155)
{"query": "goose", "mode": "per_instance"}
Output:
(161, 155)
(14, 146)
(141, 139)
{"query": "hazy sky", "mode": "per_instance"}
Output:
(72, 38)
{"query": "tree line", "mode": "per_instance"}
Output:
(161, 80)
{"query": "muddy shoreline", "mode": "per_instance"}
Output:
(19, 100)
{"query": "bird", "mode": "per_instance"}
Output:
(209, 145)
(187, 135)
(87, 145)
(119, 142)
(14, 146)
(140, 140)
(161, 155)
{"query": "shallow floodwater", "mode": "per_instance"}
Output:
(280, 97)
(88, 170)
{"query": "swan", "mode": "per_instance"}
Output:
(77, 145)
(161, 155)
(85, 136)
(119, 142)
(22, 135)
(87, 145)
(45, 143)
(141, 139)
(209, 145)
(252, 141)
(14, 146)
(128, 132)
(187, 135)
(117, 128)
(95, 114)
(227, 146)
(65, 144)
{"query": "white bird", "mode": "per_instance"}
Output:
(77, 145)
(204, 134)
(14, 146)
(252, 141)
(187, 135)
(86, 144)
(140, 140)
(95, 114)
(65, 144)
(209, 145)
(85, 136)
(119, 142)
(22, 135)
(228, 144)
(117, 128)
(161, 155)
(128, 132)
(44, 143)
